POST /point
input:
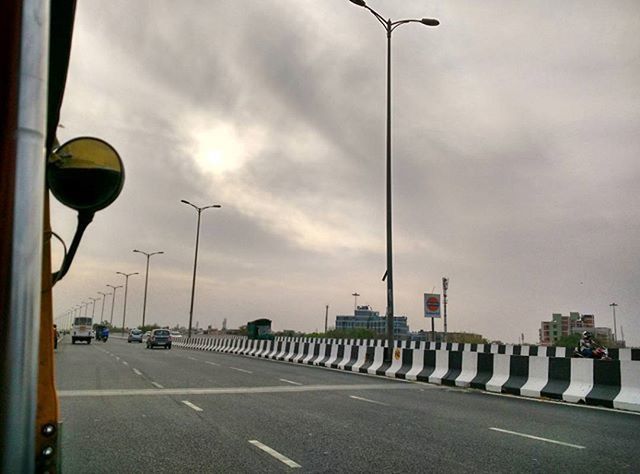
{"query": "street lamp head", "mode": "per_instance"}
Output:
(430, 22)
(360, 3)
(136, 250)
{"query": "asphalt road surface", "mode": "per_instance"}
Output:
(129, 409)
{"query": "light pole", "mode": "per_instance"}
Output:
(615, 329)
(104, 296)
(93, 308)
(195, 261)
(355, 301)
(146, 280)
(85, 304)
(126, 287)
(389, 26)
(113, 301)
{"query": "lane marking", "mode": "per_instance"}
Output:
(280, 457)
(367, 400)
(125, 362)
(290, 381)
(236, 390)
(241, 370)
(117, 358)
(157, 384)
(211, 363)
(137, 372)
(538, 438)
(192, 358)
(191, 405)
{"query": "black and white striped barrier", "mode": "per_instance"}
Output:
(507, 349)
(614, 383)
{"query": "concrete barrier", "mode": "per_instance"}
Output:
(531, 373)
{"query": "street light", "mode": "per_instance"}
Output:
(389, 26)
(113, 301)
(104, 296)
(355, 295)
(615, 329)
(195, 261)
(146, 280)
(93, 308)
(126, 287)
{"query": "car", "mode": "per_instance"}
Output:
(159, 337)
(135, 335)
(175, 335)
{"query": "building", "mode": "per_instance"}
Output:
(364, 317)
(560, 326)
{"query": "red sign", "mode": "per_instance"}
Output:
(433, 304)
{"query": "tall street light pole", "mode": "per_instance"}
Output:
(355, 301)
(195, 261)
(104, 296)
(389, 26)
(615, 329)
(126, 287)
(113, 301)
(93, 308)
(146, 280)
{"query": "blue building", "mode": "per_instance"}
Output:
(364, 317)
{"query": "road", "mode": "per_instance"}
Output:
(128, 409)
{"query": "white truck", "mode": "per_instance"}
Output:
(82, 330)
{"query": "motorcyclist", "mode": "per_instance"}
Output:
(105, 334)
(587, 344)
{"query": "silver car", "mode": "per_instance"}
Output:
(135, 335)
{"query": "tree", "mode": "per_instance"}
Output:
(572, 340)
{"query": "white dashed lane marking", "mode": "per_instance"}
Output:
(367, 400)
(280, 457)
(137, 372)
(290, 381)
(212, 363)
(538, 438)
(241, 370)
(156, 384)
(191, 405)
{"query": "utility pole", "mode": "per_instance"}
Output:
(355, 295)
(445, 287)
(113, 301)
(326, 318)
(126, 287)
(615, 330)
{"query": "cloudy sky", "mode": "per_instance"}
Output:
(515, 159)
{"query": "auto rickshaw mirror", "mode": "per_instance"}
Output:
(85, 174)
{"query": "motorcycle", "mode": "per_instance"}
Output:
(599, 353)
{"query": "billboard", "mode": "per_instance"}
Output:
(431, 305)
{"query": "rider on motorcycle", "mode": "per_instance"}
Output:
(587, 344)
(105, 334)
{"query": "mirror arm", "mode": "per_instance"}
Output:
(84, 219)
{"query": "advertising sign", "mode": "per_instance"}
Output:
(431, 305)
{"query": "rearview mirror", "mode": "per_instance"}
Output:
(85, 174)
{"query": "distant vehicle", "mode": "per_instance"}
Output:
(135, 335)
(175, 335)
(159, 337)
(259, 329)
(82, 330)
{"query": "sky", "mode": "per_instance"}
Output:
(515, 160)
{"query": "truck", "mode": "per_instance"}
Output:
(259, 329)
(82, 330)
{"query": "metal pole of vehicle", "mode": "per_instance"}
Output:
(113, 301)
(126, 287)
(25, 33)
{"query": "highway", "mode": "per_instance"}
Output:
(128, 409)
